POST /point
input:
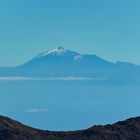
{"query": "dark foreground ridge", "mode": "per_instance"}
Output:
(125, 130)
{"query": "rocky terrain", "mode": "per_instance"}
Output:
(125, 130)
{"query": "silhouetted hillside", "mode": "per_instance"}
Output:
(125, 130)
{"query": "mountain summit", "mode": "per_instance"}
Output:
(60, 51)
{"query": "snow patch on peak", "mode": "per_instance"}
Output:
(60, 51)
(78, 57)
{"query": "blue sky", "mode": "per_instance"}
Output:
(107, 28)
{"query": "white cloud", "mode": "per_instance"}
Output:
(15, 78)
(71, 78)
(36, 110)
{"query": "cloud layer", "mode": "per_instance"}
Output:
(48, 78)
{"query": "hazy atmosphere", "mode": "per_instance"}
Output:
(107, 28)
(69, 65)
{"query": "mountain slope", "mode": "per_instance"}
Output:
(125, 130)
(61, 63)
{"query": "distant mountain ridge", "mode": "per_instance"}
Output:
(124, 130)
(61, 62)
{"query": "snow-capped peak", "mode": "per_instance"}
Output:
(60, 51)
